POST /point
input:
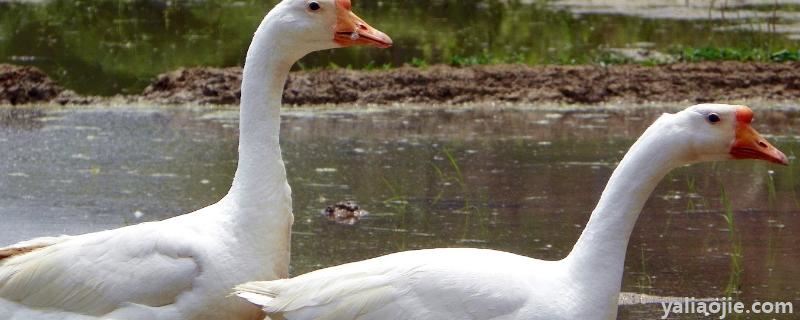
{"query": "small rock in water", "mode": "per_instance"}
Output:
(345, 212)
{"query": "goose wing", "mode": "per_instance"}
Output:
(30, 245)
(94, 274)
(426, 284)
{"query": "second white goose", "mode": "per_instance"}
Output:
(487, 284)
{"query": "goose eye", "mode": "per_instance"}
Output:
(314, 6)
(713, 118)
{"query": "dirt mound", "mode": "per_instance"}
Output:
(20, 85)
(696, 82)
(197, 85)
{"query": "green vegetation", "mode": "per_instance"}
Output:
(785, 7)
(398, 199)
(612, 58)
(475, 202)
(733, 287)
(107, 47)
(703, 54)
(747, 54)
(418, 63)
(452, 176)
(644, 281)
(773, 195)
(484, 59)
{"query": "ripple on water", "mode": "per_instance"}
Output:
(517, 195)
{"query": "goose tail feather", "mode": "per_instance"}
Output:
(258, 293)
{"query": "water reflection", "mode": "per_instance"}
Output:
(520, 180)
(21, 118)
(108, 47)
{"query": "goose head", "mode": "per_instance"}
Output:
(304, 26)
(721, 132)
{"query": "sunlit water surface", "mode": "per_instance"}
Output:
(522, 180)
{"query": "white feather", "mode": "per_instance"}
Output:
(486, 284)
(183, 268)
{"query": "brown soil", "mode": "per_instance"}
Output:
(197, 85)
(21, 85)
(694, 82)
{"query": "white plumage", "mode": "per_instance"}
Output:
(487, 284)
(184, 267)
(163, 270)
(425, 284)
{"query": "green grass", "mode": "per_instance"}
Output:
(707, 54)
(419, 63)
(644, 280)
(453, 175)
(398, 198)
(475, 207)
(484, 58)
(399, 203)
(111, 47)
(611, 58)
(733, 287)
(773, 194)
(772, 7)
(732, 54)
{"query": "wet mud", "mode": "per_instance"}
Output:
(692, 82)
(23, 85)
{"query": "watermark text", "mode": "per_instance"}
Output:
(723, 307)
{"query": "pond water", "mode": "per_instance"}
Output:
(519, 179)
(107, 47)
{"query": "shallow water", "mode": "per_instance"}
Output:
(521, 180)
(107, 47)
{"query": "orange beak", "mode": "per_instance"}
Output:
(750, 145)
(350, 30)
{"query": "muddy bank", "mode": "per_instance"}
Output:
(29, 85)
(21, 85)
(693, 82)
(696, 82)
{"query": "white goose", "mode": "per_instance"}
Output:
(184, 268)
(487, 284)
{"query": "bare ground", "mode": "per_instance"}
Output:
(694, 82)
(21, 85)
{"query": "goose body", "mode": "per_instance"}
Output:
(184, 267)
(488, 284)
(174, 269)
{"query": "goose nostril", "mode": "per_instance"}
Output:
(363, 27)
(762, 144)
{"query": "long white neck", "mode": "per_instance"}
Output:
(598, 257)
(260, 191)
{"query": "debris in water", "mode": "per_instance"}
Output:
(345, 212)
